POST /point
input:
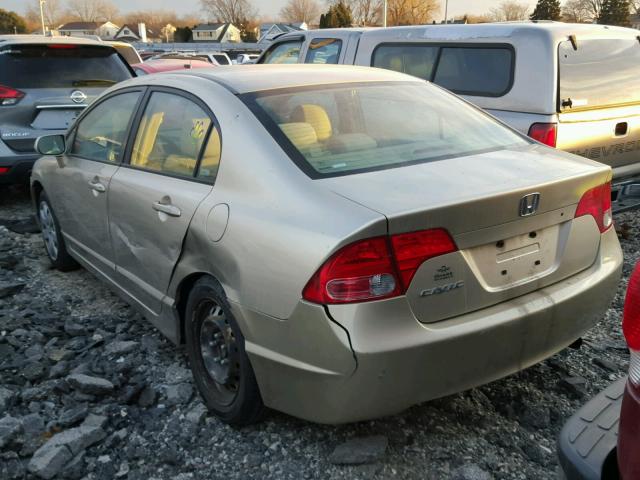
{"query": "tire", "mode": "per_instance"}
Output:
(52, 235)
(219, 363)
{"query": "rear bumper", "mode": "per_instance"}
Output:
(587, 443)
(307, 369)
(20, 167)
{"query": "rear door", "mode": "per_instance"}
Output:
(80, 187)
(153, 198)
(55, 82)
(599, 100)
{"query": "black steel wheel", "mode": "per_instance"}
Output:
(220, 365)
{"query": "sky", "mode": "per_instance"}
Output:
(267, 8)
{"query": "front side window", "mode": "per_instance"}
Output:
(285, 52)
(101, 134)
(362, 127)
(473, 70)
(324, 51)
(599, 73)
(170, 136)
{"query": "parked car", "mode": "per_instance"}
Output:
(216, 58)
(168, 65)
(574, 87)
(44, 84)
(344, 264)
(601, 440)
(245, 58)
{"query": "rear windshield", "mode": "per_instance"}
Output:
(599, 73)
(344, 129)
(60, 66)
(484, 71)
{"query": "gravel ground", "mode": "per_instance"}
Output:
(88, 389)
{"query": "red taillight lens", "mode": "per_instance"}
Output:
(4, 170)
(597, 203)
(62, 46)
(544, 133)
(9, 96)
(376, 268)
(412, 249)
(631, 325)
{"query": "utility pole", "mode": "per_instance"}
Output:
(44, 32)
(446, 10)
(384, 14)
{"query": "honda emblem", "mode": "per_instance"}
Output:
(529, 204)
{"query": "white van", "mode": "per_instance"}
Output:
(571, 86)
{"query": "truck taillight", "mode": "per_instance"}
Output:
(9, 96)
(631, 324)
(597, 203)
(546, 133)
(375, 268)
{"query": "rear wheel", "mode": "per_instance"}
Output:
(52, 236)
(220, 365)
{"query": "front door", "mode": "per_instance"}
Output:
(95, 153)
(153, 198)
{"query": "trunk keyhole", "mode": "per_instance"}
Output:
(621, 129)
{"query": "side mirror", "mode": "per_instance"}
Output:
(50, 145)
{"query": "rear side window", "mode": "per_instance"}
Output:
(324, 50)
(102, 132)
(221, 59)
(60, 66)
(170, 136)
(599, 73)
(477, 71)
(286, 52)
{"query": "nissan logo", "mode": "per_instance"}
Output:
(529, 204)
(77, 96)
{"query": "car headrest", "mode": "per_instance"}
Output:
(316, 116)
(301, 134)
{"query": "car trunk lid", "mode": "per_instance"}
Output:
(503, 251)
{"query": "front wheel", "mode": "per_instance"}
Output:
(220, 365)
(52, 236)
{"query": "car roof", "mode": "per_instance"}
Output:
(39, 39)
(556, 30)
(253, 78)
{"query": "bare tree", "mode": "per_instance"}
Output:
(367, 12)
(53, 13)
(635, 6)
(152, 17)
(510, 11)
(575, 11)
(92, 10)
(411, 12)
(592, 8)
(233, 11)
(300, 11)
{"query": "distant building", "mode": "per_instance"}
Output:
(137, 33)
(216, 32)
(105, 30)
(459, 21)
(270, 30)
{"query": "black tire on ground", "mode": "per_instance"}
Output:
(52, 235)
(220, 365)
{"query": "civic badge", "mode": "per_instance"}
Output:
(529, 204)
(77, 96)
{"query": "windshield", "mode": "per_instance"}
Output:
(60, 66)
(599, 73)
(343, 129)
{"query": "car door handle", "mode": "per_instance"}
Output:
(169, 209)
(97, 186)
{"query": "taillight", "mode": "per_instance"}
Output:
(412, 249)
(375, 268)
(544, 133)
(62, 46)
(4, 170)
(631, 324)
(597, 203)
(9, 96)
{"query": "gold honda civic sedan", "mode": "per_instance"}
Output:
(337, 243)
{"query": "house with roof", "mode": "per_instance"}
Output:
(104, 30)
(137, 33)
(268, 31)
(216, 32)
